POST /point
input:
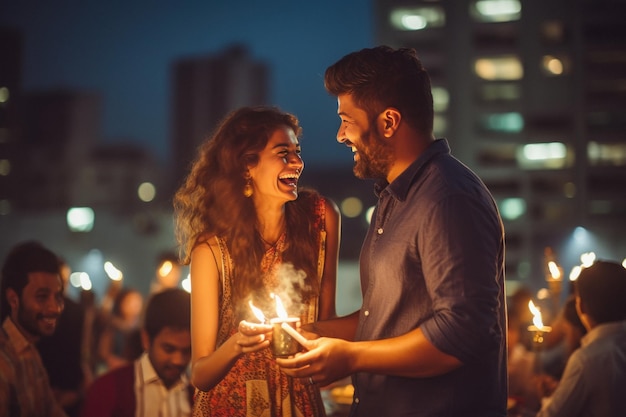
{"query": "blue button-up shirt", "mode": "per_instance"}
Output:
(434, 258)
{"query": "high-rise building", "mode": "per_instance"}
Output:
(207, 88)
(532, 96)
(10, 86)
(60, 128)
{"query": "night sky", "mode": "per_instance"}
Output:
(124, 50)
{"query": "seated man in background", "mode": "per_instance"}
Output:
(31, 302)
(155, 384)
(595, 375)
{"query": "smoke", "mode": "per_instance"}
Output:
(291, 284)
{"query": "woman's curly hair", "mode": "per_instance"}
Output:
(211, 202)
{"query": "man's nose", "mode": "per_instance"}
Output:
(341, 137)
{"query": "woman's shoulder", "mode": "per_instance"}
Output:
(205, 242)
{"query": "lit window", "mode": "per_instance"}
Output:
(440, 125)
(512, 208)
(5, 167)
(4, 94)
(499, 68)
(500, 92)
(569, 190)
(441, 99)
(606, 153)
(554, 66)
(497, 155)
(512, 122)
(417, 18)
(553, 155)
(496, 10)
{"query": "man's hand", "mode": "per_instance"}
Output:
(327, 360)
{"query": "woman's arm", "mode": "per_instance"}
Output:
(208, 364)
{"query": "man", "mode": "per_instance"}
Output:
(156, 383)
(62, 353)
(430, 336)
(31, 297)
(594, 379)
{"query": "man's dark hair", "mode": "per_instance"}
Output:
(24, 258)
(602, 290)
(167, 308)
(382, 77)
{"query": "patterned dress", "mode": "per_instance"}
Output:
(255, 386)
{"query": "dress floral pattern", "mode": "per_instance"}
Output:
(255, 385)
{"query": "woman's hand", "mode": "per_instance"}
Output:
(253, 336)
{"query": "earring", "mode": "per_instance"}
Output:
(247, 189)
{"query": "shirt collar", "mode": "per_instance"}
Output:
(603, 330)
(150, 376)
(17, 339)
(399, 188)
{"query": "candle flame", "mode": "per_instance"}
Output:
(280, 308)
(587, 259)
(554, 270)
(113, 273)
(257, 312)
(165, 268)
(573, 276)
(537, 321)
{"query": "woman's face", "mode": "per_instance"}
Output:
(280, 165)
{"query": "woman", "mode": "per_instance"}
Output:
(239, 216)
(120, 341)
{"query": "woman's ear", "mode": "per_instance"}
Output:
(389, 121)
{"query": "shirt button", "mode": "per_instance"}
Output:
(356, 400)
(366, 313)
(380, 231)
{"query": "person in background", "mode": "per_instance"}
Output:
(31, 302)
(156, 384)
(595, 375)
(430, 337)
(567, 331)
(119, 341)
(62, 354)
(241, 219)
(528, 382)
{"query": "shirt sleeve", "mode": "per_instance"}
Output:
(462, 255)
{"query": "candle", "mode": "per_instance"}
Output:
(283, 344)
(294, 333)
(285, 337)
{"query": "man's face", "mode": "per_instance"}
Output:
(169, 353)
(373, 157)
(37, 310)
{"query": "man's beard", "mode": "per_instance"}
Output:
(375, 157)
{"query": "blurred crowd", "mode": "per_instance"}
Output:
(92, 337)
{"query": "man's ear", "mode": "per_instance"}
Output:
(145, 339)
(13, 299)
(389, 121)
